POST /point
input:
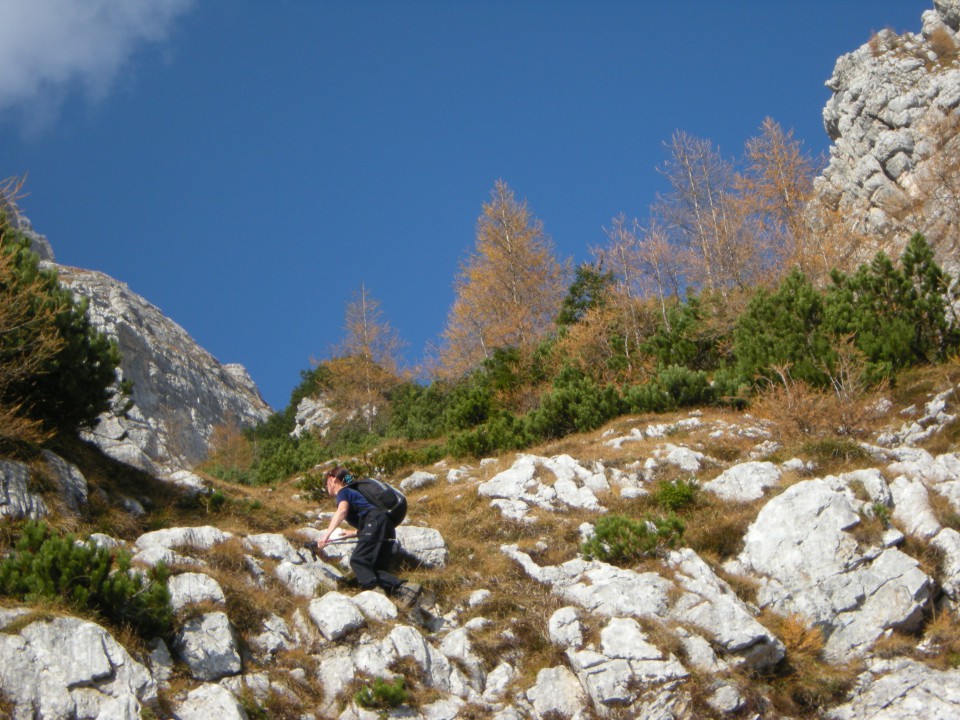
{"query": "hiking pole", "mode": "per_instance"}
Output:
(312, 545)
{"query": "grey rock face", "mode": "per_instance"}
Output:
(208, 645)
(16, 499)
(180, 391)
(810, 564)
(890, 100)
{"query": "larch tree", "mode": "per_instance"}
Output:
(509, 289)
(774, 190)
(366, 364)
(705, 222)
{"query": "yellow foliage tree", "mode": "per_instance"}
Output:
(508, 290)
(366, 365)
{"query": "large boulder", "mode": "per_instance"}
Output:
(802, 549)
(68, 668)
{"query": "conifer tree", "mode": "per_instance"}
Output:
(509, 289)
(366, 364)
(55, 367)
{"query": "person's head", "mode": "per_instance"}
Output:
(337, 479)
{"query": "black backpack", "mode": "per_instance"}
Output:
(382, 496)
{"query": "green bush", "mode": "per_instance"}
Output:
(784, 328)
(686, 388)
(575, 404)
(676, 494)
(417, 411)
(673, 387)
(681, 339)
(623, 541)
(502, 432)
(382, 695)
(897, 316)
(388, 459)
(45, 565)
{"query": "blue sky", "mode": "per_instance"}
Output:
(245, 165)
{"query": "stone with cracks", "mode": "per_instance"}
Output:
(558, 691)
(180, 391)
(210, 701)
(208, 645)
(902, 689)
(16, 500)
(335, 615)
(565, 628)
(810, 564)
(67, 668)
(190, 587)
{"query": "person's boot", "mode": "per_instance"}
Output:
(408, 594)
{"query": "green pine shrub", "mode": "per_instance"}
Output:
(417, 411)
(623, 541)
(676, 494)
(382, 695)
(575, 404)
(389, 458)
(503, 431)
(685, 387)
(784, 328)
(47, 566)
(673, 387)
(682, 338)
(897, 317)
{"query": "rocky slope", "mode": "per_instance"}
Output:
(542, 633)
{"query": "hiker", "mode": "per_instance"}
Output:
(375, 535)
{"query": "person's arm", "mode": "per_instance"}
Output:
(338, 517)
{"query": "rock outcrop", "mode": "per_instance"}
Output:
(893, 121)
(180, 391)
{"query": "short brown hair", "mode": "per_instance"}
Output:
(339, 473)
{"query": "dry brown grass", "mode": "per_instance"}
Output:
(716, 532)
(946, 514)
(804, 684)
(942, 639)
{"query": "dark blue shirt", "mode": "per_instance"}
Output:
(359, 505)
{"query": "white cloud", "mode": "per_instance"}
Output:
(50, 47)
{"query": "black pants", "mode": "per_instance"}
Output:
(371, 556)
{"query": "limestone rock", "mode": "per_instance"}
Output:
(889, 98)
(809, 564)
(335, 615)
(189, 587)
(566, 484)
(180, 391)
(210, 701)
(71, 483)
(66, 668)
(313, 415)
(208, 645)
(557, 691)
(565, 628)
(744, 482)
(902, 689)
(417, 481)
(17, 501)
(424, 546)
